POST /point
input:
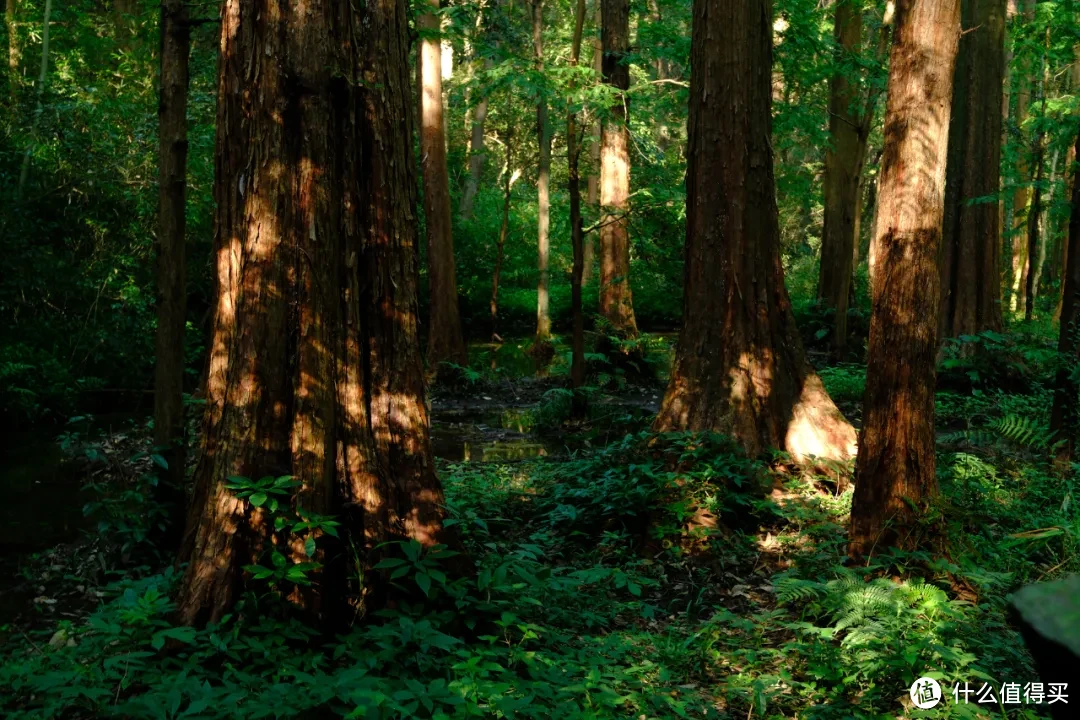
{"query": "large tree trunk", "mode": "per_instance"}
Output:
(971, 234)
(543, 189)
(573, 151)
(843, 168)
(445, 340)
(739, 366)
(616, 301)
(315, 368)
(894, 471)
(172, 263)
(1064, 416)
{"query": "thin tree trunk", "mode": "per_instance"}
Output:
(616, 300)
(895, 467)
(1064, 415)
(971, 242)
(39, 109)
(315, 368)
(843, 168)
(1022, 195)
(543, 190)
(739, 366)
(1070, 176)
(504, 229)
(594, 145)
(172, 263)
(1035, 211)
(445, 340)
(14, 49)
(1044, 221)
(577, 354)
(477, 154)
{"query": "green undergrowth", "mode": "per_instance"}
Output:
(657, 577)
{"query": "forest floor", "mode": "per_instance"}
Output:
(619, 574)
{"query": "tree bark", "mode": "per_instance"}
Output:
(543, 187)
(504, 228)
(315, 368)
(895, 467)
(843, 168)
(1035, 210)
(616, 300)
(172, 264)
(477, 153)
(1022, 195)
(739, 366)
(577, 353)
(971, 234)
(445, 340)
(1064, 415)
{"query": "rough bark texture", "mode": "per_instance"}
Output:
(477, 153)
(445, 340)
(971, 233)
(896, 464)
(573, 151)
(843, 168)
(543, 186)
(616, 301)
(315, 368)
(172, 262)
(1065, 415)
(739, 366)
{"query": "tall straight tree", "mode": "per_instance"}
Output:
(616, 301)
(894, 470)
(843, 169)
(971, 232)
(445, 340)
(315, 368)
(172, 260)
(1065, 414)
(739, 366)
(543, 188)
(573, 153)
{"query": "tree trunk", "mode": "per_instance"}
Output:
(172, 264)
(616, 301)
(895, 466)
(504, 229)
(577, 353)
(43, 77)
(1044, 222)
(594, 146)
(543, 189)
(1034, 212)
(1022, 195)
(9, 77)
(315, 368)
(445, 340)
(971, 240)
(843, 168)
(1064, 415)
(739, 366)
(477, 154)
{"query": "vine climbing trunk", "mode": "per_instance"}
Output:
(172, 264)
(315, 369)
(616, 301)
(446, 343)
(739, 365)
(895, 467)
(971, 226)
